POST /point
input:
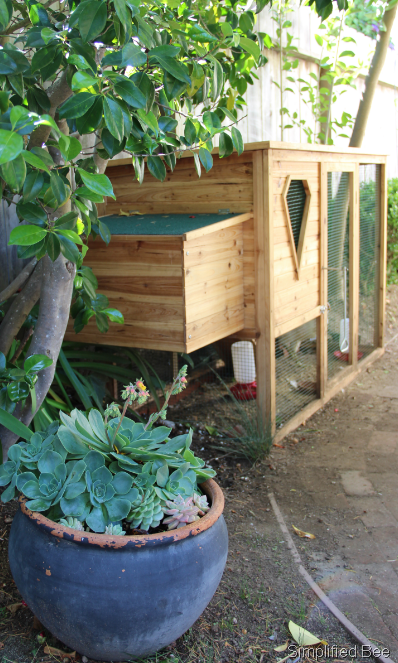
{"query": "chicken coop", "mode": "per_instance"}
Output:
(283, 246)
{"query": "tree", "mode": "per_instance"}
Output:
(80, 82)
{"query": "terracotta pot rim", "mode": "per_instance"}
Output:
(209, 487)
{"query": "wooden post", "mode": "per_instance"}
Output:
(264, 289)
(322, 327)
(354, 235)
(383, 255)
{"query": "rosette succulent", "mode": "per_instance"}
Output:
(100, 471)
(73, 523)
(146, 511)
(180, 512)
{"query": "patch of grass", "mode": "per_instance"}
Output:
(249, 434)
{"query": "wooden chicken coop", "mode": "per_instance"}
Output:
(284, 245)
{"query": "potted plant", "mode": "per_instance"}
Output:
(114, 548)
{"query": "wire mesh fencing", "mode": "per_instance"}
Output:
(369, 256)
(296, 371)
(338, 271)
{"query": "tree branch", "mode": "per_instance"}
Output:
(58, 93)
(55, 298)
(372, 79)
(18, 282)
(19, 310)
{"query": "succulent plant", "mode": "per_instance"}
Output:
(180, 511)
(200, 501)
(73, 523)
(99, 472)
(146, 510)
(8, 472)
(114, 530)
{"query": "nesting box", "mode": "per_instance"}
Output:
(279, 244)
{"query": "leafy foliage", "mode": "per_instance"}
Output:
(17, 380)
(366, 17)
(155, 60)
(98, 471)
(392, 232)
(318, 91)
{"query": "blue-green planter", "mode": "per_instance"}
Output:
(114, 598)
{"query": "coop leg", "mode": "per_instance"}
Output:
(175, 365)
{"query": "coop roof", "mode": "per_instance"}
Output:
(160, 224)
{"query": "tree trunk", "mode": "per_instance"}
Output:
(20, 309)
(372, 79)
(55, 298)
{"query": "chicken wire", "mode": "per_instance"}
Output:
(338, 270)
(369, 256)
(296, 371)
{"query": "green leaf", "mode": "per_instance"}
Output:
(114, 315)
(17, 391)
(172, 86)
(27, 235)
(123, 14)
(81, 80)
(162, 475)
(114, 118)
(190, 132)
(217, 81)
(175, 68)
(92, 19)
(43, 155)
(250, 47)
(14, 173)
(74, 148)
(70, 234)
(167, 124)
(225, 146)
(149, 119)
(118, 508)
(157, 168)
(5, 14)
(130, 93)
(100, 184)
(67, 221)
(32, 186)
(206, 159)
(35, 161)
(60, 190)
(347, 54)
(90, 121)
(95, 520)
(69, 249)
(36, 363)
(32, 212)
(43, 56)
(237, 140)
(24, 252)
(14, 425)
(52, 246)
(79, 61)
(122, 481)
(11, 145)
(77, 105)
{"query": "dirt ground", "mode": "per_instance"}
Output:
(335, 477)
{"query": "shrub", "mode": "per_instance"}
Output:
(392, 232)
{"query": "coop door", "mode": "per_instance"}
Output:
(339, 268)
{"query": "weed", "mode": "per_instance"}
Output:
(249, 433)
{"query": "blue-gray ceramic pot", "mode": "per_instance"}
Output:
(114, 598)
